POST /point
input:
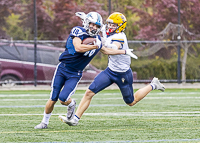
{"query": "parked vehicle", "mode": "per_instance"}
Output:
(17, 63)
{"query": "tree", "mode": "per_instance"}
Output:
(45, 22)
(7, 7)
(155, 15)
(65, 18)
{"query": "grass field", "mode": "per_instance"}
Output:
(172, 116)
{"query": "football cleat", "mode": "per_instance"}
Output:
(41, 126)
(71, 122)
(158, 85)
(71, 111)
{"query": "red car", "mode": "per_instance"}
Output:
(17, 64)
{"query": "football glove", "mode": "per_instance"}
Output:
(129, 52)
(97, 42)
(82, 15)
(103, 31)
(108, 45)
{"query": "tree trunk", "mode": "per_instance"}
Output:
(185, 46)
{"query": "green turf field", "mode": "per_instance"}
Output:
(172, 116)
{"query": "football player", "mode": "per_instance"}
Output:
(118, 70)
(72, 62)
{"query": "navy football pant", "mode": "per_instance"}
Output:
(64, 83)
(124, 80)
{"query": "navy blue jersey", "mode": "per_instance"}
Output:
(76, 61)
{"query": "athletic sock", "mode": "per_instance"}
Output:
(76, 118)
(72, 103)
(46, 118)
(153, 86)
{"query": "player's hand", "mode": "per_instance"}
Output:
(82, 15)
(103, 31)
(108, 45)
(98, 42)
(129, 52)
(107, 42)
(103, 28)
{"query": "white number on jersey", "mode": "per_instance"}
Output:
(90, 53)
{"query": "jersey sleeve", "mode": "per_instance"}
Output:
(75, 32)
(78, 32)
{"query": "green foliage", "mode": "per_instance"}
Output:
(159, 68)
(193, 68)
(15, 30)
(100, 61)
(165, 69)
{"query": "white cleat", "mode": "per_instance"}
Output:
(71, 111)
(158, 85)
(71, 122)
(41, 126)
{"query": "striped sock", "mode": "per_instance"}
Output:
(76, 118)
(153, 86)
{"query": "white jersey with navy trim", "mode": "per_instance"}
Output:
(119, 63)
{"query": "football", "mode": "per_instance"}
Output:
(89, 41)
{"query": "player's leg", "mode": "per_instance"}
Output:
(141, 93)
(57, 84)
(66, 93)
(125, 80)
(100, 82)
(47, 114)
(85, 102)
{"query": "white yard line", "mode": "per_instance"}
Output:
(26, 95)
(136, 141)
(109, 98)
(21, 99)
(116, 93)
(194, 113)
(141, 141)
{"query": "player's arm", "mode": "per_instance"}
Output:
(82, 47)
(114, 50)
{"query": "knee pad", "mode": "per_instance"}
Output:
(92, 87)
(127, 94)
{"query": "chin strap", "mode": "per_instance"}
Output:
(110, 31)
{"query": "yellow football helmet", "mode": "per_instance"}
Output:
(119, 19)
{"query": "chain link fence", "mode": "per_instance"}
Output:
(156, 58)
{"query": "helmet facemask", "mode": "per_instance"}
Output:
(93, 32)
(120, 28)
